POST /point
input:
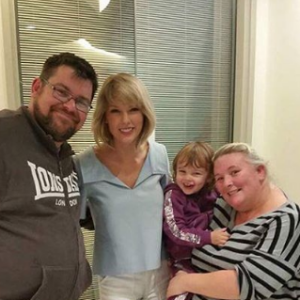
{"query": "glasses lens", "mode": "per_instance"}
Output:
(82, 106)
(61, 95)
(64, 96)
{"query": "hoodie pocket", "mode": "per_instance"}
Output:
(57, 283)
(84, 280)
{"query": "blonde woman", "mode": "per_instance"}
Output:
(123, 178)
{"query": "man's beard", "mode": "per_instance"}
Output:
(48, 125)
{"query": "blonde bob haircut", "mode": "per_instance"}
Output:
(196, 154)
(250, 154)
(127, 89)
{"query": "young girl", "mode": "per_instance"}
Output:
(188, 207)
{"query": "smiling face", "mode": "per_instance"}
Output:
(190, 179)
(125, 123)
(238, 181)
(60, 120)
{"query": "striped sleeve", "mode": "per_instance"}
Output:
(274, 261)
(265, 252)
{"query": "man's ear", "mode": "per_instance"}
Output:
(36, 87)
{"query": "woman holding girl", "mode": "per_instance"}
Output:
(261, 258)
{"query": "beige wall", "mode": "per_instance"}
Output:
(267, 87)
(9, 77)
(282, 121)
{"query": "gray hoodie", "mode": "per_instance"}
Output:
(42, 254)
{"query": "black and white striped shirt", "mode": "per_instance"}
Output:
(265, 252)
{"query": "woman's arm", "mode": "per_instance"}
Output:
(264, 253)
(219, 284)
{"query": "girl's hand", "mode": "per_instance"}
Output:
(177, 284)
(219, 237)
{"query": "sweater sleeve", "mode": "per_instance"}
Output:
(175, 225)
(3, 184)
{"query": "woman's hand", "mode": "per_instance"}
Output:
(221, 284)
(176, 284)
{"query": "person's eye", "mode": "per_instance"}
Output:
(134, 109)
(181, 171)
(114, 111)
(235, 172)
(61, 93)
(82, 103)
(218, 179)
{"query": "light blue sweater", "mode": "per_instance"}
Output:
(128, 221)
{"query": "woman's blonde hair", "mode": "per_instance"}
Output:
(250, 154)
(127, 89)
(197, 154)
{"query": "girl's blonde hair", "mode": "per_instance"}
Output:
(196, 154)
(127, 89)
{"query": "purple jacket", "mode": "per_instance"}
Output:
(186, 219)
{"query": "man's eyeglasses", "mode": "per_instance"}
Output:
(64, 96)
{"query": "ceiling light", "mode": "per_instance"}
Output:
(103, 4)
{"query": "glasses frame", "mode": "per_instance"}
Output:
(70, 96)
